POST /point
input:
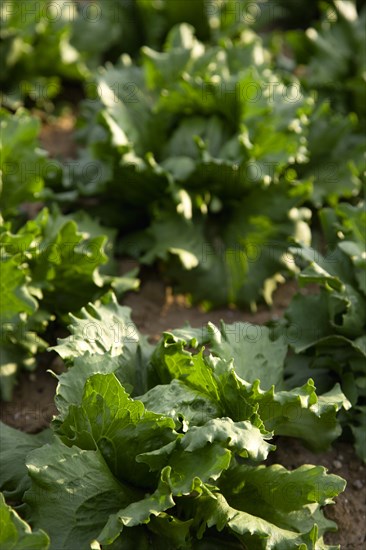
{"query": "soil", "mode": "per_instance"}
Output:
(57, 137)
(155, 309)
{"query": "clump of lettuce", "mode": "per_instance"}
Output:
(329, 62)
(50, 266)
(23, 164)
(211, 157)
(337, 158)
(167, 444)
(214, 20)
(197, 149)
(211, 20)
(332, 56)
(45, 43)
(36, 49)
(328, 325)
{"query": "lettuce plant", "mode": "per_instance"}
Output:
(45, 43)
(23, 163)
(332, 57)
(51, 266)
(197, 147)
(211, 158)
(167, 444)
(329, 324)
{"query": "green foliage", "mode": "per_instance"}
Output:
(211, 155)
(209, 158)
(201, 167)
(337, 157)
(332, 346)
(176, 463)
(36, 49)
(22, 162)
(16, 533)
(332, 53)
(44, 43)
(15, 445)
(51, 266)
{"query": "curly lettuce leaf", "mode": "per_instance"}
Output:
(51, 266)
(15, 445)
(332, 348)
(103, 339)
(216, 388)
(119, 426)
(16, 533)
(331, 51)
(72, 493)
(22, 162)
(336, 157)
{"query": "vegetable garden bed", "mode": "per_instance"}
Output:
(183, 275)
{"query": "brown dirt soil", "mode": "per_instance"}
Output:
(155, 309)
(57, 137)
(32, 407)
